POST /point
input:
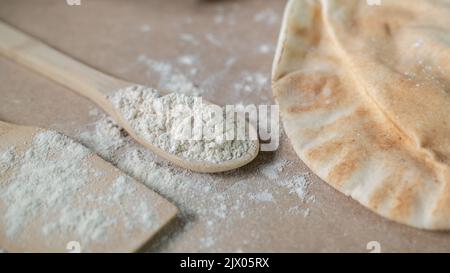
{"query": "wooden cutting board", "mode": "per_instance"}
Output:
(113, 216)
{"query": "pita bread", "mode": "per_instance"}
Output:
(364, 94)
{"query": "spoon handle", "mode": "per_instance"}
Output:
(55, 65)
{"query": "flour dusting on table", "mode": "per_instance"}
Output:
(170, 78)
(203, 199)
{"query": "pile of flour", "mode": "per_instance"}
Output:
(166, 122)
(43, 185)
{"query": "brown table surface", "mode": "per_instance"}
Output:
(228, 40)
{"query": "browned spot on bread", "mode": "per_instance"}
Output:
(387, 29)
(385, 190)
(300, 30)
(317, 92)
(385, 139)
(317, 22)
(347, 165)
(384, 135)
(325, 150)
(311, 33)
(404, 202)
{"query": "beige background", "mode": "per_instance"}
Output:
(231, 40)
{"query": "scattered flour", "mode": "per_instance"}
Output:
(187, 60)
(211, 38)
(265, 49)
(299, 185)
(189, 38)
(170, 79)
(219, 19)
(145, 28)
(224, 17)
(267, 16)
(251, 82)
(208, 241)
(203, 199)
(264, 196)
(107, 137)
(272, 170)
(166, 121)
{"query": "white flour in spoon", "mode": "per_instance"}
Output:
(166, 122)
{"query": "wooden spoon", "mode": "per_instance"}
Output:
(96, 86)
(120, 237)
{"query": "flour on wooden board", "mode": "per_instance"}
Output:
(264, 196)
(43, 183)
